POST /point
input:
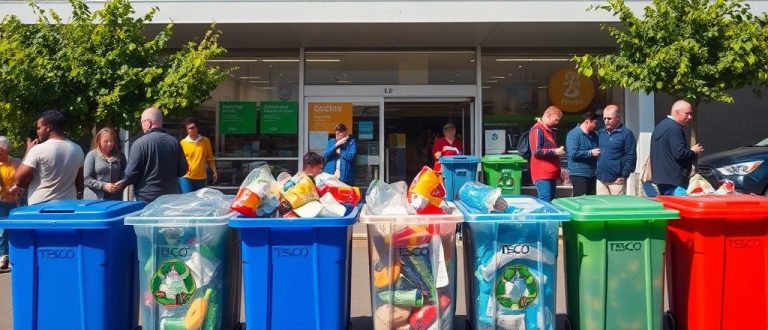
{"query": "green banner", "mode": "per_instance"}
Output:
(237, 117)
(279, 117)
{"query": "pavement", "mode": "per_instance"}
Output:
(360, 313)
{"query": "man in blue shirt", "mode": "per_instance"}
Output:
(340, 155)
(618, 155)
(672, 156)
(581, 145)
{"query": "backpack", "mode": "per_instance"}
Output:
(524, 145)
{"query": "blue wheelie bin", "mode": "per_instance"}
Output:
(458, 170)
(73, 265)
(296, 272)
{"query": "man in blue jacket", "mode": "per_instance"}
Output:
(671, 154)
(581, 145)
(340, 155)
(617, 154)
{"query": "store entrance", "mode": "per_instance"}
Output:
(411, 128)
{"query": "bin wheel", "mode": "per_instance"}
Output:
(568, 324)
(467, 324)
(669, 321)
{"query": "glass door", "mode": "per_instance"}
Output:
(363, 118)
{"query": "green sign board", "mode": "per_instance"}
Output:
(279, 117)
(237, 117)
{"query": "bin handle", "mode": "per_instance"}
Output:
(461, 172)
(59, 211)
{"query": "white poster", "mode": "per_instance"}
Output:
(495, 141)
(318, 140)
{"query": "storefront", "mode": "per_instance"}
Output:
(276, 107)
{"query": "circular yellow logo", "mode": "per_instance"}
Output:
(570, 91)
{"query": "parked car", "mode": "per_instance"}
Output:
(746, 166)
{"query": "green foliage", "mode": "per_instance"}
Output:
(99, 68)
(691, 49)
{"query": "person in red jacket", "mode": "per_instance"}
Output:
(545, 154)
(447, 145)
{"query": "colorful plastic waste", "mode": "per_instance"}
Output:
(426, 193)
(342, 192)
(257, 195)
(483, 198)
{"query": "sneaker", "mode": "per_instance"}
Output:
(4, 264)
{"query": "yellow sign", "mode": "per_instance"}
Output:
(570, 91)
(325, 116)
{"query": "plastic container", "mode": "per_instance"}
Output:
(71, 265)
(188, 272)
(716, 262)
(511, 259)
(614, 248)
(458, 170)
(505, 172)
(296, 272)
(413, 269)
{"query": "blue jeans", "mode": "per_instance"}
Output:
(546, 189)
(189, 185)
(5, 209)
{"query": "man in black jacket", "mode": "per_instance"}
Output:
(671, 155)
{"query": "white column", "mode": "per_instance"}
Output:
(639, 115)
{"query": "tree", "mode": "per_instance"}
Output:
(99, 68)
(695, 50)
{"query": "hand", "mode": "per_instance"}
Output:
(31, 143)
(15, 190)
(595, 152)
(560, 151)
(215, 177)
(620, 181)
(697, 148)
(120, 185)
(343, 140)
(109, 187)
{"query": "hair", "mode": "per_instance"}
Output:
(191, 120)
(448, 126)
(340, 127)
(588, 116)
(312, 159)
(97, 138)
(152, 114)
(5, 143)
(55, 119)
(552, 111)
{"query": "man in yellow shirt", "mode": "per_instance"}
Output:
(8, 201)
(197, 150)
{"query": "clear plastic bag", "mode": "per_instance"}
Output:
(388, 199)
(205, 202)
(481, 197)
(257, 195)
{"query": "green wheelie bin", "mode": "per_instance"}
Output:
(614, 254)
(505, 172)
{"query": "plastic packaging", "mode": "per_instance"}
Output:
(390, 199)
(257, 194)
(483, 198)
(342, 192)
(299, 190)
(205, 202)
(426, 193)
(698, 186)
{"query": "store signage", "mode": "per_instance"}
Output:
(237, 117)
(325, 116)
(570, 91)
(279, 117)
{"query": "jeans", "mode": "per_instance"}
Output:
(5, 209)
(546, 189)
(189, 185)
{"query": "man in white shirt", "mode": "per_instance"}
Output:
(53, 166)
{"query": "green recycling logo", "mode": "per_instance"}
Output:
(173, 284)
(517, 287)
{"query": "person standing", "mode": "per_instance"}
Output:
(618, 154)
(53, 166)
(671, 155)
(447, 145)
(340, 155)
(545, 154)
(198, 152)
(156, 161)
(8, 201)
(581, 145)
(104, 167)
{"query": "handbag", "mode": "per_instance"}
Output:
(646, 187)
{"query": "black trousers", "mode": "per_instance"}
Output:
(583, 185)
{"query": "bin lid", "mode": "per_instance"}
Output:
(71, 214)
(736, 206)
(177, 221)
(459, 159)
(614, 208)
(367, 217)
(348, 219)
(525, 209)
(504, 159)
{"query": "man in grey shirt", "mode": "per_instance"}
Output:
(156, 160)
